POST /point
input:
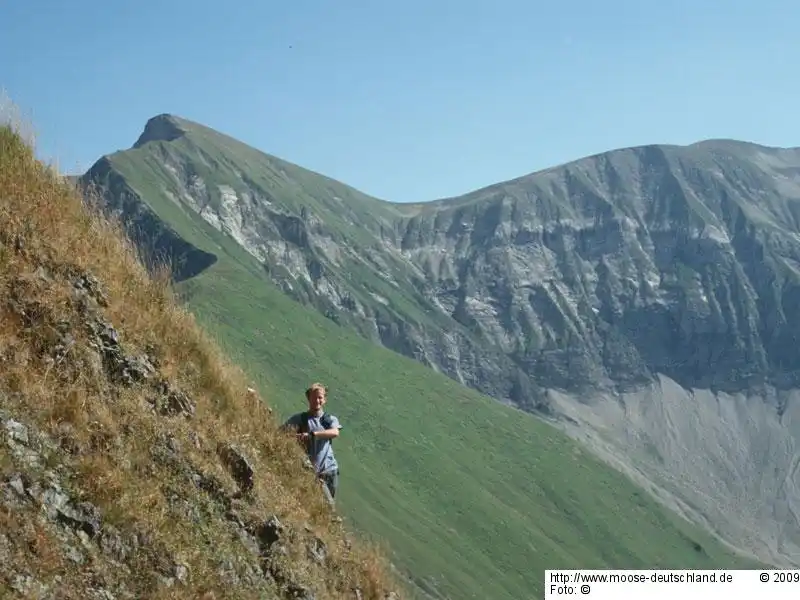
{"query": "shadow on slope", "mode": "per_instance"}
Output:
(157, 242)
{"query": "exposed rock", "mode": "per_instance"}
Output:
(120, 367)
(160, 128)
(182, 574)
(317, 550)
(239, 466)
(595, 274)
(15, 483)
(170, 401)
(74, 555)
(28, 586)
(89, 285)
(43, 273)
(138, 368)
(269, 533)
(247, 539)
(114, 544)
(21, 442)
(16, 431)
(12, 493)
(80, 516)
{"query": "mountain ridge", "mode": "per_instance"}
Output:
(166, 127)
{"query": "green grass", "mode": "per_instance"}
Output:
(463, 490)
(472, 496)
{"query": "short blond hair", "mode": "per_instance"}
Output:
(313, 388)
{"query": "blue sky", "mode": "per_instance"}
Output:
(408, 101)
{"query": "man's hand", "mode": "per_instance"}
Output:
(301, 437)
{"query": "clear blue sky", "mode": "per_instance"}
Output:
(409, 100)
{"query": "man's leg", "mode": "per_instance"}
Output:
(333, 483)
(330, 483)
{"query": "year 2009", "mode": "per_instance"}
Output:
(791, 576)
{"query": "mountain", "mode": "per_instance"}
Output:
(622, 297)
(593, 263)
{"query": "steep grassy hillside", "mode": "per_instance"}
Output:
(133, 464)
(474, 499)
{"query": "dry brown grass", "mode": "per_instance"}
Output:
(109, 430)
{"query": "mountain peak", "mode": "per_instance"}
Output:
(161, 128)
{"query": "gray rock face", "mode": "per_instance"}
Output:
(161, 127)
(583, 285)
(599, 274)
(681, 261)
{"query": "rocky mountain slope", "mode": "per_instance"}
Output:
(600, 293)
(656, 289)
(134, 463)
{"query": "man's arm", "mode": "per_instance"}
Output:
(330, 433)
(326, 434)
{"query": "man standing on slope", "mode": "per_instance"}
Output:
(316, 430)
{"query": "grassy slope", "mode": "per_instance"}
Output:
(470, 494)
(459, 486)
(107, 431)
